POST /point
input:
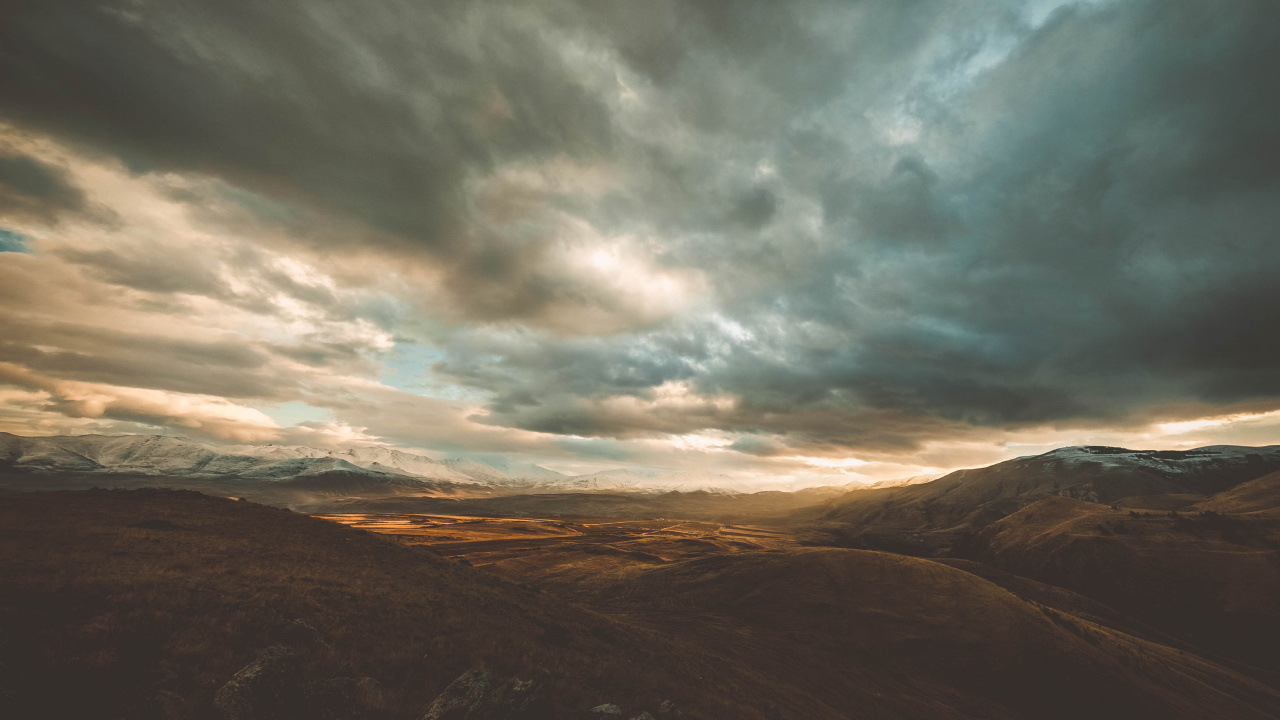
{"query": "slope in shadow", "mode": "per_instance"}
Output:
(1209, 574)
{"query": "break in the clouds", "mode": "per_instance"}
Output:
(792, 239)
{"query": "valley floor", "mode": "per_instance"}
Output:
(623, 568)
(505, 544)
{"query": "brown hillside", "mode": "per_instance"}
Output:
(929, 518)
(887, 633)
(1256, 496)
(1210, 578)
(111, 601)
(109, 598)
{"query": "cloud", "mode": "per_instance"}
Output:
(315, 106)
(13, 242)
(36, 191)
(814, 229)
(202, 415)
(1027, 259)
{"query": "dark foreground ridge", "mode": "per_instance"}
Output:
(171, 604)
(145, 603)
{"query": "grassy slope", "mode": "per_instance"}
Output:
(891, 634)
(1211, 579)
(885, 633)
(96, 614)
(1261, 496)
(921, 519)
(90, 603)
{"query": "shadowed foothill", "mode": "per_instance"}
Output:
(253, 612)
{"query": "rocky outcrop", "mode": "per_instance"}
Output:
(299, 633)
(473, 696)
(464, 694)
(275, 687)
(359, 691)
(272, 687)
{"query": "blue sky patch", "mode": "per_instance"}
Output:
(11, 241)
(288, 414)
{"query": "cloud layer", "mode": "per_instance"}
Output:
(758, 236)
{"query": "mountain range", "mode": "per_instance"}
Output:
(1088, 581)
(176, 457)
(929, 517)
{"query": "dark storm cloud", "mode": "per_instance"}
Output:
(34, 190)
(1085, 230)
(149, 272)
(378, 112)
(912, 218)
(77, 352)
(902, 205)
(226, 366)
(259, 285)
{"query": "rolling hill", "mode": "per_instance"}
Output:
(177, 462)
(148, 602)
(1209, 574)
(927, 517)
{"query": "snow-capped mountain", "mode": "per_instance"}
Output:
(633, 481)
(1089, 472)
(161, 455)
(136, 454)
(382, 459)
(900, 482)
(478, 472)
(607, 480)
(178, 457)
(302, 467)
(966, 499)
(693, 481)
(1165, 463)
(525, 471)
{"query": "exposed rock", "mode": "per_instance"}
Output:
(463, 694)
(518, 699)
(298, 632)
(473, 697)
(272, 687)
(607, 709)
(644, 716)
(347, 698)
(669, 708)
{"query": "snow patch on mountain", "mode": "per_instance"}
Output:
(1165, 462)
(170, 456)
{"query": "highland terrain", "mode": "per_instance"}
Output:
(1056, 586)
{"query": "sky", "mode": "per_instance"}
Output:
(799, 242)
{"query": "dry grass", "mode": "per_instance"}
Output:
(1210, 578)
(108, 598)
(91, 602)
(837, 629)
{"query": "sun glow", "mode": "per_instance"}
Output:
(1220, 422)
(832, 463)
